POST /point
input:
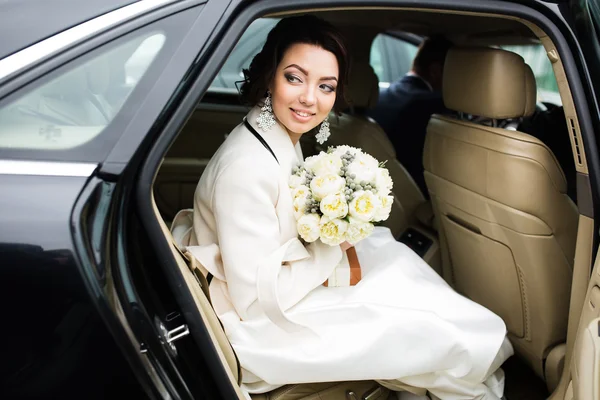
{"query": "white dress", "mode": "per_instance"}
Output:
(401, 322)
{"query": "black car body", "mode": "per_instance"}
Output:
(93, 306)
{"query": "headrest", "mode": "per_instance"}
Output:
(363, 86)
(488, 82)
(530, 92)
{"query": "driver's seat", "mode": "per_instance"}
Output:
(507, 227)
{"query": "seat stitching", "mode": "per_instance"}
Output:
(525, 302)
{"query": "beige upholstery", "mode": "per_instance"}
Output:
(530, 92)
(358, 130)
(488, 82)
(507, 228)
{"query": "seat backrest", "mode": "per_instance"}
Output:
(507, 227)
(357, 130)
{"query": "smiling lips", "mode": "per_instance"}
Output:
(302, 115)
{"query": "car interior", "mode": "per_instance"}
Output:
(502, 222)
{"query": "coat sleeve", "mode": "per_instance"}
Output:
(244, 200)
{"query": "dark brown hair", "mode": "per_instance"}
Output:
(305, 29)
(432, 50)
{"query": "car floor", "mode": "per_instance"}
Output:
(521, 382)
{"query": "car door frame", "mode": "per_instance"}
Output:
(232, 25)
(124, 314)
(585, 24)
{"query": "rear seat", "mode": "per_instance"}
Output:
(197, 285)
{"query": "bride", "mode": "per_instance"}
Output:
(401, 324)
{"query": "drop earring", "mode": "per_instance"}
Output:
(324, 132)
(266, 118)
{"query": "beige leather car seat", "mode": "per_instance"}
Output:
(198, 287)
(507, 227)
(356, 129)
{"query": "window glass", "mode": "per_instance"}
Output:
(240, 58)
(535, 56)
(74, 106)
(391, 58)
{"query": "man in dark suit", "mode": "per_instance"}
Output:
(404, 108)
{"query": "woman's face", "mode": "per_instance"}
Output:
(304, 88)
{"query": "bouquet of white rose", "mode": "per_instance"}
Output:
(339, 194)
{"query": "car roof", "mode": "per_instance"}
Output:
(25, 22)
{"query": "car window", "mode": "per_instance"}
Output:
(73, 107)
(248, 46)
(535, 56)
(391, 58)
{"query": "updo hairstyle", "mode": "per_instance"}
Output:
(306, 29)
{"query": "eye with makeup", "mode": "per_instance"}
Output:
(292, 78)
(327, 88)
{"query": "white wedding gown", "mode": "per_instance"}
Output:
(401, 323)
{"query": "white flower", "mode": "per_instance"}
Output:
(343, 149)
(363, 168)
(364, 205)
(309, 227)
(324, 185)
(310, 162)
(301, 191)
(333, 231)
(383, 181)
(334, 206)
(384, 211)
(297, 180)
(358, 230)
(299, 207)
(325, 164)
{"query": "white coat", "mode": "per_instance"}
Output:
(401, 322)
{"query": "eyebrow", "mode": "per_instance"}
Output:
(325, 78)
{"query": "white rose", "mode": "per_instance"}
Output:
(383, 181)
(334, 206)
(309, 227)
(327, 164)
(363, 168)
(310, 162)
(333, 231)
(383, 212)
(364, 205)
(297, 180)
(300, 191)
(358, 230)
(343, 149)
(299, 207)
(324, 185)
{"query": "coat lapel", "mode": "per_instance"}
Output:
(288, 156)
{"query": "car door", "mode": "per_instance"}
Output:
(78, 119)
(137, 302)
(581, 379)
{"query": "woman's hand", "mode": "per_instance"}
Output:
(345, 246)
